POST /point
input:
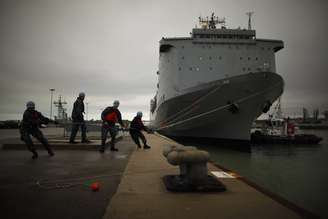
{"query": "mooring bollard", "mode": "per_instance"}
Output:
(193, 164)
(170, 148)
(193, 170)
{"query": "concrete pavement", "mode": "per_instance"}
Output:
(64, 182)
(131, 187)
(142, 194)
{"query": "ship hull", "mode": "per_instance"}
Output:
(224, 109)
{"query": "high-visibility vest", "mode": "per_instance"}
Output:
(111, 117)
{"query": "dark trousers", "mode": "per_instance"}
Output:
(36, 133)
(75, 129)
(112, 129)
(135, 135)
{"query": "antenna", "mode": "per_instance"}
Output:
(61, 115)
(210, 23)
(249, 14)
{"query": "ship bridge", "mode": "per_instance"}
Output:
(209, 33)
(223, 35)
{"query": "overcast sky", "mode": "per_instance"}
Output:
(109, 48)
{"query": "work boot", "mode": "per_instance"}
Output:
(102, 150)
(146, 147)
(86, 141)
(51, 153)
(139, 146)
(113, 149)
(35, 155)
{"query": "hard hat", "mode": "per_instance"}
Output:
(139, 114)
(30, 104)
(81, 94)
(116, 103)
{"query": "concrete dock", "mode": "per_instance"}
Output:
(131, 182)
(142, 194)
(64, 180)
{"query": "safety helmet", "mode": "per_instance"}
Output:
(139, 114)
(30, 105)
(116, 103)
(82, 94)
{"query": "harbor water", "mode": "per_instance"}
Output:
(298, 173)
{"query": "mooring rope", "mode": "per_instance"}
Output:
(218, 108)
(77, 181)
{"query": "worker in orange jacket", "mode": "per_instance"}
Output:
(110, 116)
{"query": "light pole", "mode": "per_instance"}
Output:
(51, 94)
(86, 113)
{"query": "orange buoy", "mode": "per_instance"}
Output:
(95, 186)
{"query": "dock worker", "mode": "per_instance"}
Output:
(110, 116)
(32, 121)
(136, 127)
(78, 120)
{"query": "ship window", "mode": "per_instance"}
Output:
(165, 48)
(256, 58)
(241, 58)
(209, 47)
(237, 47)
(249, 69)
(179, 68)
(269, 48)
(182, 57)
(190, 68)
(220, 57)
(182, 47)
(244, 69)
(262, 48)
(210, 58)
(210, 68)
(249, 58)
(203, 47)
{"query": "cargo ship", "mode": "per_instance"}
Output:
(215, 83)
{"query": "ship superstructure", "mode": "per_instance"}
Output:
(215, 83)
(61, 113)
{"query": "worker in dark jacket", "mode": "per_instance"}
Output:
(30, 124)
(136, 127)
(78, 120)
(110, 116)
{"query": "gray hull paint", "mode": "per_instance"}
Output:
(203, 112)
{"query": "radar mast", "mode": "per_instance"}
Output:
(249, 14)
(212, 22)
(61, 114)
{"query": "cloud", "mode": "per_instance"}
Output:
(109, 49)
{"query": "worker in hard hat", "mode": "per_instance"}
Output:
(30, 124)
(110, 116)
(136, 127)
(78, 120)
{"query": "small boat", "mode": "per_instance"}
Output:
(260, 138)
(279, 130)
